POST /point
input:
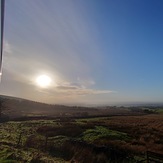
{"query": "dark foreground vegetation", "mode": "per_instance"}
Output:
(122, 135)
(105, 139)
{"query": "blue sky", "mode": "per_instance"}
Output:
(95, 52)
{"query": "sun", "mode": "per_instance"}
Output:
(43, 81)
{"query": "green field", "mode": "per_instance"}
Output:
(53, 140)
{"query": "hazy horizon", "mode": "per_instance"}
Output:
(83, 52)
(118, 104)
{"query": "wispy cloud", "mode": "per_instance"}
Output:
(74, 89)
(58, 36)
(54, 38)
(82, 92)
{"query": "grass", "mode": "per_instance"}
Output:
(7, 161)
(6, 155)
(3, 153)
(160, 111)
(146, 131)
(100, 132)
(92, 119)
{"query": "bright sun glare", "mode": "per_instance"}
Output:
(43, 81)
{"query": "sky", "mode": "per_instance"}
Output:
(94, 52)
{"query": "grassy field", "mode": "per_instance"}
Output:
(69, 140)
(160, 111)
(99, 132)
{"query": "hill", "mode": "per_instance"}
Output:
(14, 107)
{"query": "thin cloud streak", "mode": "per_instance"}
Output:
(55, 39)
(74, 90)
(63, 88)
(64, 33)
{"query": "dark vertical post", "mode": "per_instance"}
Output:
(2, 32)
(147, 159)
(19, 139)
(46, 141)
